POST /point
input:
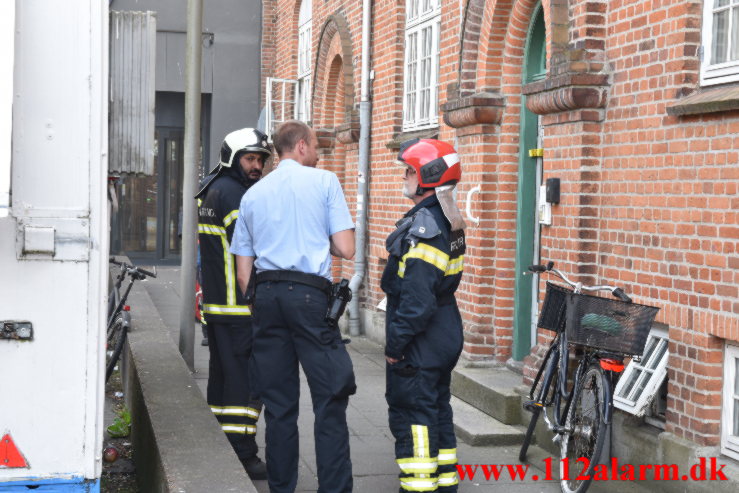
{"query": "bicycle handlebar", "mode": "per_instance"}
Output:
(578, 286)
(132, 269)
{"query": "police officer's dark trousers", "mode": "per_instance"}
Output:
(229, 388)
(289, 327)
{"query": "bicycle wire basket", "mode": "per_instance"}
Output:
(553, 310)
(608, 324)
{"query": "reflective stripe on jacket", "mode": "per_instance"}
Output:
(217, 213)
(423, 271)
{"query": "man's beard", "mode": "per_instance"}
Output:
(409, 194)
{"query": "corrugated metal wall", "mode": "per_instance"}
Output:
(132, 92)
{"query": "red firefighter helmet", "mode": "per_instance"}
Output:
(436, 163)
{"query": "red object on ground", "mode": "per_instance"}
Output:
(10, 456)
(110, 454)
(198, 302)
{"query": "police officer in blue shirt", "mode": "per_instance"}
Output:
(289, 225)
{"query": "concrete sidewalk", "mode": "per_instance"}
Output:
(372, 445)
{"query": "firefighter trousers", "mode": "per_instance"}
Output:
(289, 329)
(229, 389)
(420, 417)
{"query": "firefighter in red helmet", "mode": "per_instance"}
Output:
(423, 326)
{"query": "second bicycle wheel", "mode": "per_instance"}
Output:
(114, 340)
(580, 449)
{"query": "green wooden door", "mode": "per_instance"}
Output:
(529, 178)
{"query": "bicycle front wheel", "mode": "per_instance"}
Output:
(115, 338)
(581, 446)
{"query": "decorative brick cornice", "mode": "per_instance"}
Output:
(348, 132)
(566, 93)
(326, 137)
(476, 109)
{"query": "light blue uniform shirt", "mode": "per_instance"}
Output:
(286, 218)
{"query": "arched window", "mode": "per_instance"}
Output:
(421, 88)
(304, 60)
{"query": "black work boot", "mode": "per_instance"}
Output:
(255, 468)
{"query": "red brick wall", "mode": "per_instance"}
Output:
(649, 200)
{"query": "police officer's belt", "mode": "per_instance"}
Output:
(319, 282)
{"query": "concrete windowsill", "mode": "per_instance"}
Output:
(707, 100)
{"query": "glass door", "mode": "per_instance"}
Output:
(151, 206)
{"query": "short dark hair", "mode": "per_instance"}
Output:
(287, 136)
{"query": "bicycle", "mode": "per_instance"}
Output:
(119, 317)
(603, 332)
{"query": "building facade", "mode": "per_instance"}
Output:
(627, 108)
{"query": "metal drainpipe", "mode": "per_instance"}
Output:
(365, 112)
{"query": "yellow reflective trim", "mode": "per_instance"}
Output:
(216, 409)
(211, 229)
(448, 479)
(447, 456)
(239, 411)
(429, 254)
(417, 465)
(455, 266)
(200, 202)
(433, 256)
(229, 270)
(418, 484)
(238, 429)
(420, 441)
(227, 309)
(231, 217)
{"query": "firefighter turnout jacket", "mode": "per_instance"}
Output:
(424, 332)
(223, 302)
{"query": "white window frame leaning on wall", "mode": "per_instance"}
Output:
(726, 69)
(730, 411)
(305, 44)
(421, 64)
(647, 374)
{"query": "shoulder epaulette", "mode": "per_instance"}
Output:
(424, 225)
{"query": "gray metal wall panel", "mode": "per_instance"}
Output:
(132, 92)
(171, 69)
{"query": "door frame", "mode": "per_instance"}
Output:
(529, 178)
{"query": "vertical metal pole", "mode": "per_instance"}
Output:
(365, 121)
(192, 143)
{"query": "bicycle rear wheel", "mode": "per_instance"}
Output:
(580, 449)
(542, 394)
(115, 338)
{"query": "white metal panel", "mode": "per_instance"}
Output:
(7, 31)
(52, 395)
(133, 40)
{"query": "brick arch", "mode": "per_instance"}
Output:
(329, 46)
(486, 28)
